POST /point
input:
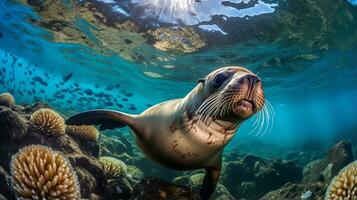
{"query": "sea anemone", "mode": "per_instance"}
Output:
(344, 185)
(113, 167)
(38, 172)
(6, 99)
(48, 122)
(83, 132)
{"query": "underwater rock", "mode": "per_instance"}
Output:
(252, 176)
(340, 155)
(118, 188)
(294, 191)
(5, 185)
(11, 126)
(152, 169)
(312, 171)
(90, 173)
(325, 169)
(152, 188)
(221, 193)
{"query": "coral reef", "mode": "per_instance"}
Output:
(113, 167)
(344, 185)
(14, 126)
(152, 188)
(5, 185)
(38, 172)
(325, 169)
(83, 132)
(47, 121)
(179, 40)
(258, 176)
(6, 99)
(295, 191)
(107, 177)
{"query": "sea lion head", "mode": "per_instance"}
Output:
(231, 94)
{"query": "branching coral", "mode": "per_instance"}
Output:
(6, 99)
(344, 185)
(48, 122)
(38, 172)
(113, 167)
(83, 132)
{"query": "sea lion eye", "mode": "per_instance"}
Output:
(220, 79)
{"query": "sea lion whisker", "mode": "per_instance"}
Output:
(262, 122)
(272, 115)
(211, 102)
(255, 123)
(210, 113)
(205, 109)
(206, 102)
(271, 107)
(265, 110)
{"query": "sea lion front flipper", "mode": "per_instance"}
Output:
(209, 182)
(106, 119)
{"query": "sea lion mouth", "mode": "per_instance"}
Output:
(244, 108)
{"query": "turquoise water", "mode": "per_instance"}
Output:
(310, 81)
(312, 98)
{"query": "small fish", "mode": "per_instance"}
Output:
(67, 77)
(109, 103)
(47, 75)
(124, 99)
(109, 88)
(40, 80)
(132, 107)
(88, 92)
(21, 93)
(128, 94)
(76, 84)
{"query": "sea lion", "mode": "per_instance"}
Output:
(191, 132)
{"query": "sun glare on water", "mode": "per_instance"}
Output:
(168, 10)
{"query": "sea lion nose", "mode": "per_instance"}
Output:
(251, 78)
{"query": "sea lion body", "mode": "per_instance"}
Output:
(191, 132)
(177, 143)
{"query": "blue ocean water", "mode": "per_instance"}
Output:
(64, 54)
(311, 98)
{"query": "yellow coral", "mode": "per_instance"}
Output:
(113, 167)
(48, 122)
(196, 179)
(6, 99)
(38, 172)
(344, 185)
(83, 132)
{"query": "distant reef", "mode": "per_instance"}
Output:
(301, 23)
(43, 158)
